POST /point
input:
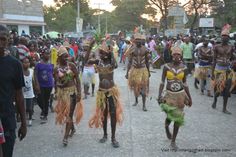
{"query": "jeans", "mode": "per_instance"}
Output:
(190, 65)
(29, 107)
(8, 146)
(43, 99)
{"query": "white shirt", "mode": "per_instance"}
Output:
(201, 44)
(28, 90)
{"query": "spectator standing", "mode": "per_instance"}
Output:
(11, 83)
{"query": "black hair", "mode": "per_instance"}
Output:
(4, 30)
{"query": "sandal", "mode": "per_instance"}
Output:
(115, 143)
(65, 142)
(103, 140)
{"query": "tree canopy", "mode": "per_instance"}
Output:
(62, 16)
(129, 13)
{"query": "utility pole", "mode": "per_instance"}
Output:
(78, 17)
(99, 19)
(106, 24)
(99, 15)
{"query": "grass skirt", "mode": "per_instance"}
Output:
(221, 77)
(202, 72)
(138, 81)
(62, 107)
(173, 105)
(101, 101)
(233, 81)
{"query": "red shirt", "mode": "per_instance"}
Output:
(75, 48)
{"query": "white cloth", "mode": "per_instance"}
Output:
(201, 44)
(28, 90)
(88, 75)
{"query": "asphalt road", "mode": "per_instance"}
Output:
(206, 132)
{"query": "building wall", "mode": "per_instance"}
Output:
(1, 8)
(19, 8)
(23, 27)
(23, 14)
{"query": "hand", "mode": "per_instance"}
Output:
(93, 42)
(126, 76)
(213, 77)
(22, 131)
(190, 103)
(37, 90)
(160, 100)
(79, 96)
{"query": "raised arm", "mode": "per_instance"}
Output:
(76, 79)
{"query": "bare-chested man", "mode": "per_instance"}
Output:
(221, 71)
(138, 69)
(203, 72)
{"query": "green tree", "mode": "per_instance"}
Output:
(128, 13)
(85, 12)
(224, 11)
(195, 8)
(162, 7)
(62, 17)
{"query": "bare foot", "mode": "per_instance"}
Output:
(173, 145)
(202, 92)
(213, 105)
(144, 109)
(72, 132)
(226, 112)
(209, 94)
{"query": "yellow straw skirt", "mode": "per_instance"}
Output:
(62, 107)
(101, 101)
(201, 72)
(233, 81)
(138, 81)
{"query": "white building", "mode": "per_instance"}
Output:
(22, 15)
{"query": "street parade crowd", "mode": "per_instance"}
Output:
(58, 74)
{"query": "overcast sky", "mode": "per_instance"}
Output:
(104, 4)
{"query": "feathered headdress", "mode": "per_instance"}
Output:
(176, 50)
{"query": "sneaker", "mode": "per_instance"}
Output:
(30, 122)
(44, 120)
(41, 116)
